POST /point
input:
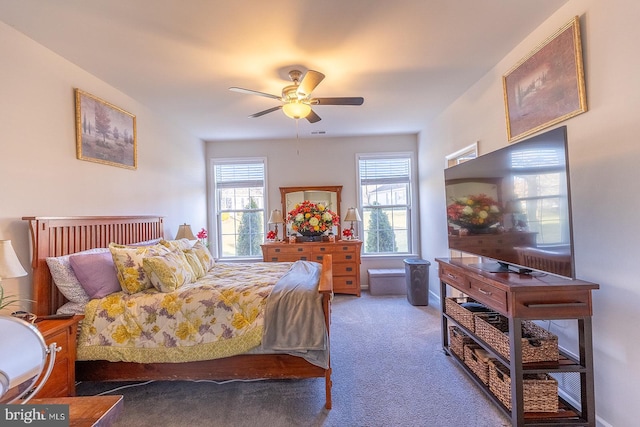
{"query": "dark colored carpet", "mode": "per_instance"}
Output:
(388, 370)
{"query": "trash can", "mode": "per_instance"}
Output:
(417, 277)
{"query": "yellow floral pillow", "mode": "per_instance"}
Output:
(183, 244)
(204, 255)
(194, 262)
(128, 262)
(167, 272)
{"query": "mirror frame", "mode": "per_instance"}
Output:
(330, 188)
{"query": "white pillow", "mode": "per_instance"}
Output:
(66, 280)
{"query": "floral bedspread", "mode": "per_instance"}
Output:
(220, 315)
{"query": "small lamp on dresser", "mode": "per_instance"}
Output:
(276, 218)
(10, 267)
(352, 216)
(184, 232)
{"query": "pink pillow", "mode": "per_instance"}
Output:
(96, 273)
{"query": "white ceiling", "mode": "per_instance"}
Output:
(409, 59)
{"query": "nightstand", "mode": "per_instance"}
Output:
(63, 332)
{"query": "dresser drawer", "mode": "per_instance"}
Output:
(287, 257)
(286, 249)
(346, 285)
(345, 248)
(344, 269)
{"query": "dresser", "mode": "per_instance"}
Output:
(345, 256)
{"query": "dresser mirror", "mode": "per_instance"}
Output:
(329, 195)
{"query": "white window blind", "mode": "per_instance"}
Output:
(234, 175)
(384, 171)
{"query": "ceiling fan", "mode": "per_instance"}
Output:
(296, 98)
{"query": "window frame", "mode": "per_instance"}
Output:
(216, 210)
(411, 206)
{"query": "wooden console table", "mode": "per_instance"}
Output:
(527, 297)
(88, 411)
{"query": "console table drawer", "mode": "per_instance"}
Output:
(488, 294)
(454, 277)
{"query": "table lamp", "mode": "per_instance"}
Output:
(184, 232)
(276, 218)
(353, 216)
(10, 267)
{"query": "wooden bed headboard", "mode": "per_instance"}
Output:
(58, 236)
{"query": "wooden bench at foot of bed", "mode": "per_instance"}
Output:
(58, 236)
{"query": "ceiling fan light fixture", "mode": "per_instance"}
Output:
(296, 109)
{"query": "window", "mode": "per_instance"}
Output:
(467, 153)
(385, 197)
(239, 190)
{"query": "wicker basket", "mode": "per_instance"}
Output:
(463, 316)
(538, 345)
(478, 361)
(457, 340)
(540, 391)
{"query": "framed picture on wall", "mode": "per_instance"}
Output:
(104, 133)
(547, 86)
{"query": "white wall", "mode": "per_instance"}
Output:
(317, 161)
(603, 152)
(40, 175)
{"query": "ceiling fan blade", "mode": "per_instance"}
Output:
(338, 101)
(270, 110)
(254, 92)
(309, 82)
(313, 117)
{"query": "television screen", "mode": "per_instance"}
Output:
(513, 205)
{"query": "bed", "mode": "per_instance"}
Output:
(60, 236)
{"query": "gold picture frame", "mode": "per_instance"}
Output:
(547, 86)
(105, 133)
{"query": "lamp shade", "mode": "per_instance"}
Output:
(184, 232)
(352, 215)
(23, 354)
(9, 263)
(296, 109)
(276, 217)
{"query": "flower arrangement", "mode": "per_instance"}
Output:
(474, 212)
(347, 233)
(202, 236)
(312, 218)
(271, 235)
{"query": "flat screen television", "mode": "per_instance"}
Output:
(513, 206)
